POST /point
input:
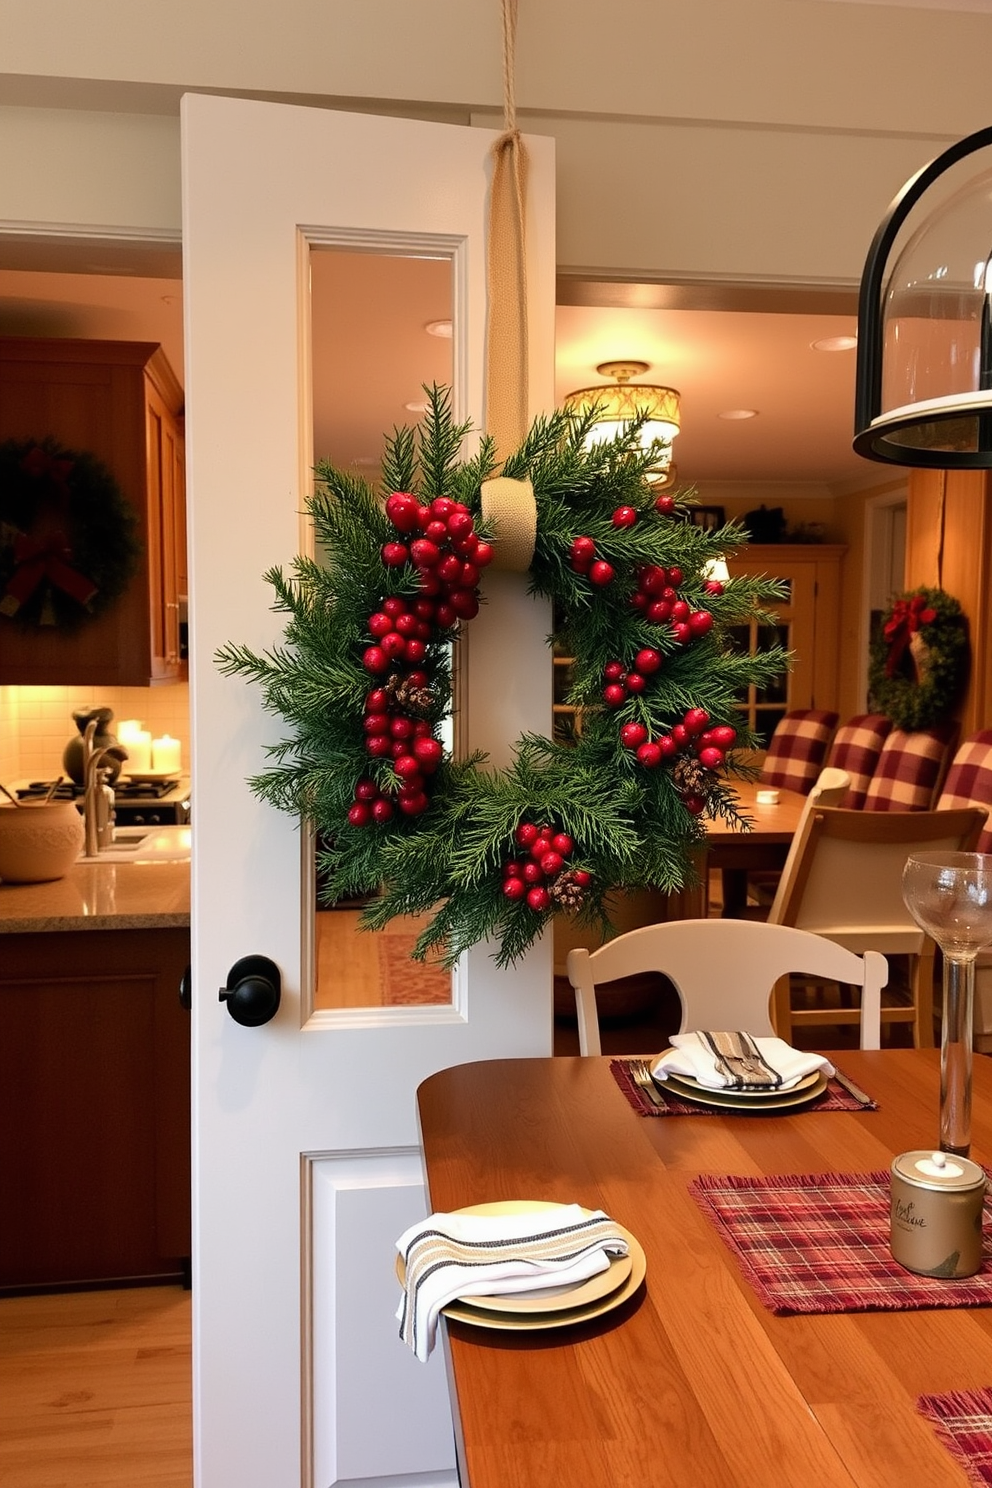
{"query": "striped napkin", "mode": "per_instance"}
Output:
(478, 1255)
(736, 1061)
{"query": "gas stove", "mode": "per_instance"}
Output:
(137, 803)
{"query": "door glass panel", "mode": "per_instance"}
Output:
(372, 355)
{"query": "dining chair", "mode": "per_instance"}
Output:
(911, 769)
(831, 788)
(969, 783)
(724, 972)
(798, 748)
(843, 881)
(855, 748)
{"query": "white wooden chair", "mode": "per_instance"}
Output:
(843, 881)
(725, 972)
(832, 784)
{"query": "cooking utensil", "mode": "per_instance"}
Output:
(10, 796)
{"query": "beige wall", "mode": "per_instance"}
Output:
(695, 138)
(36, 722)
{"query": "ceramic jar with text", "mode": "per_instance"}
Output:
(937, 1211)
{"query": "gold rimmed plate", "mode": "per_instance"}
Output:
(809, 1089)
(766, 1092)
(554, 1306)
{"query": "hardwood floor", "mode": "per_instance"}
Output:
(95, 1389)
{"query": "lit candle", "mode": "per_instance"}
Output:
(166, 755)
(139, 751)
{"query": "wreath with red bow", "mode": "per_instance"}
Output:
(919, 659)
(68, 543)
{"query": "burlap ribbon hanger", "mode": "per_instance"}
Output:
(508, 504)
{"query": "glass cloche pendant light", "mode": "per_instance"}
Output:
(616, 406)
(924, 378)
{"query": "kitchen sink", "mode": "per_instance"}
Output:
(145, 845)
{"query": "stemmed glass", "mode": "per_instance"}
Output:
(949, 895)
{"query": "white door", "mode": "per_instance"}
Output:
(306, 1161)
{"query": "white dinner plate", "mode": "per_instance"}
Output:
(738, 1100)
(689, 1082)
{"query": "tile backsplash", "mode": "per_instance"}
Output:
(36, 722)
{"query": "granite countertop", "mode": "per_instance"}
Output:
(100, 896)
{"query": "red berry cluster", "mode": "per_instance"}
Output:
(446, 551)
(533, 877)
(448, 555)
(583, 560)
(658, 599)
(621, 683)
(709, 745)
(392, 733)
(582, 554)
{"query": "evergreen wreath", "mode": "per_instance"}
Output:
(919, 659)
(68, 544)
(364, 680)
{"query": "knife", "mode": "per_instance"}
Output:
(851, 1088)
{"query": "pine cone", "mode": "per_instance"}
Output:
(565, 893)
(692, 778)
(413, 699)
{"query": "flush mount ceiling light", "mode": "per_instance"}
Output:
(735, 414)
(616, 406)
(923, 395)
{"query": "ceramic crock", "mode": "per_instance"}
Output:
(39, 842)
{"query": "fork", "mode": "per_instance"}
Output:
(641, 1075)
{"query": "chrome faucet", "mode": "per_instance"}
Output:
(98, 798)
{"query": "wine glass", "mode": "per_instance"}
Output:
(949, 895)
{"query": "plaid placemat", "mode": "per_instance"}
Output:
(963, 1421)
(834, 1098)
(820, 1243)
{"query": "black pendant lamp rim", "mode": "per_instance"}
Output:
(868, 427)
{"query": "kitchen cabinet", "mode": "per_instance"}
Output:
(119, 401)
(94, 1107)
(806, 622)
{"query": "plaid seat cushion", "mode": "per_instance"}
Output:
(969, 781)
(910, 769)
(856, 747)
(797, 749)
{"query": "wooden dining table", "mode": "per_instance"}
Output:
(763, 847)
(692, 1382)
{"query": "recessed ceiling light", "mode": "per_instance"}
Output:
(738, 413)
(416, 407)
(440, 328)
(835, 343)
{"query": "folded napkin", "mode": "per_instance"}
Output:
(736, 1061)
(479, 1255)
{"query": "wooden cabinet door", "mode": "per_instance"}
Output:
(119, 401)
(806, 622)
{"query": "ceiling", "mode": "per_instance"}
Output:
(372, 354)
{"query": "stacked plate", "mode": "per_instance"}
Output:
(552, 1306)
(806, 1089)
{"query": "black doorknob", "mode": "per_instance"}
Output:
(253, 990)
